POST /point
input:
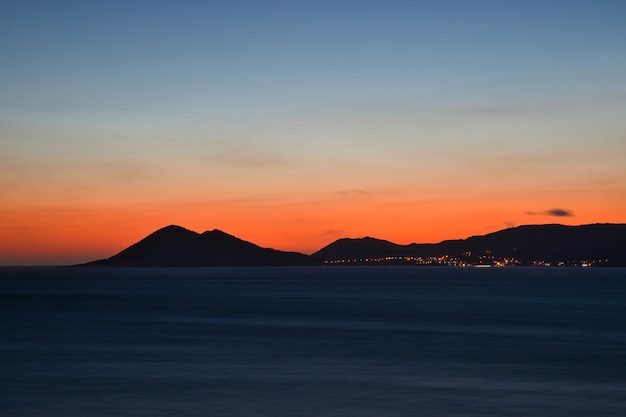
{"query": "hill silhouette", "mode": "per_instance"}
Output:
(552, 243)
(174, 246)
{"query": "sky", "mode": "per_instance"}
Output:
(294, 123)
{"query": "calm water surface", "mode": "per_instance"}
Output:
(320, 341)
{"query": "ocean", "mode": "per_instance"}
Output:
(312, 341)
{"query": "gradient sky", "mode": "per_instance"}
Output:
(294, 123)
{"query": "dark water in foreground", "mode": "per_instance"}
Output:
(312, 342)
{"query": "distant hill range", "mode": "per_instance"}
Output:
(551, 244)
(177, 246)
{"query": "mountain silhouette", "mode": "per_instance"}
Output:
(550, 243)
(367, 247)
(175, 246)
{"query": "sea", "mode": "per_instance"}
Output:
(312, 341)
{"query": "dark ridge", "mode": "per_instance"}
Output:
(527, 244)
(175, 246)
(365, 247)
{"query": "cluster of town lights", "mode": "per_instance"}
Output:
(445, 260)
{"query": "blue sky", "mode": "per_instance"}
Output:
(181, 56)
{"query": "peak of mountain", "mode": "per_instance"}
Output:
(175, 246)
(346, 248)
(215, 232)
(172, 230)
(173, 227)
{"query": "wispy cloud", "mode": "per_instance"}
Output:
(409, 108)
(486, 110)
(353, 192)
(555, 212)
(333, 232)
(248, 157)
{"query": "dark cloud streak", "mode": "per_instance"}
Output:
(555, 212)
(560, 212)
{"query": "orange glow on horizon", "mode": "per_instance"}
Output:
(43, 234)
